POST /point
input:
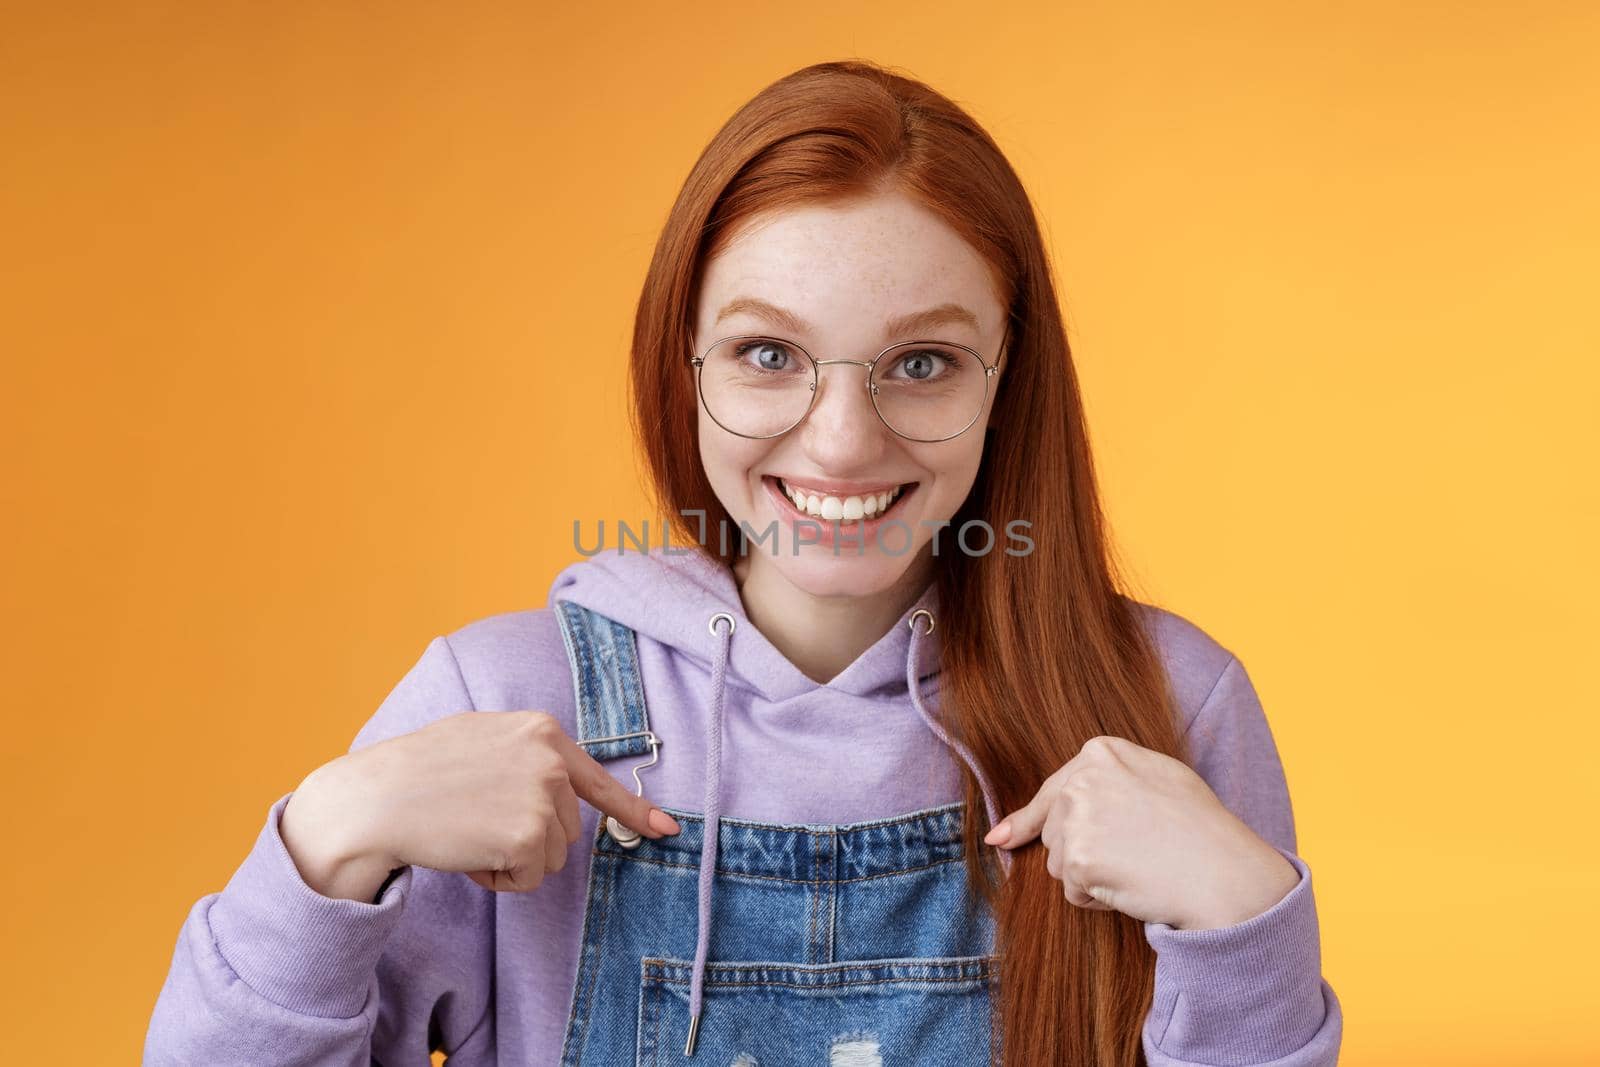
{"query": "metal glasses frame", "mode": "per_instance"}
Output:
(989, 371)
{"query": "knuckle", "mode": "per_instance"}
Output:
(1101, 745)
(1080, 784)
(547, 768)
(1077, 811)
(528, 840)
(1078, 865)
(542, 725)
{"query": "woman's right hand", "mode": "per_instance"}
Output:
(491, 794)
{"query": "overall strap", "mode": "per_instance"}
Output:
(605, 680)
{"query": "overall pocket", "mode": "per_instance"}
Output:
(858, 1013)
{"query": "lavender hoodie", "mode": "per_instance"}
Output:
(268, 971)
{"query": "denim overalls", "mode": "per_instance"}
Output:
(851, 945)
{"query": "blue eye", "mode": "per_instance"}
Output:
(770, 355)
(918, 365)
(925, 365)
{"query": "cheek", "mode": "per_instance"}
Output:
(728, 460)
(955, 468)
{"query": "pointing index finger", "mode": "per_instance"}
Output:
(591, 781)
(1024, 824)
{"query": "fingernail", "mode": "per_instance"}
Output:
(662, 823)
(999, 835)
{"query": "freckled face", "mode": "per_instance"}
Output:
(844, 269)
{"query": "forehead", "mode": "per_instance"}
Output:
(865, 259)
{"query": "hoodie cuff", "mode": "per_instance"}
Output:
(1252, 990)
(312, 954)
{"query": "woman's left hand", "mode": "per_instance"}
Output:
(1139, 832)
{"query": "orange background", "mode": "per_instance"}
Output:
(314, 319)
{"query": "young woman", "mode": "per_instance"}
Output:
(872, 764)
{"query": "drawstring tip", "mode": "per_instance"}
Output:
(694, 1028)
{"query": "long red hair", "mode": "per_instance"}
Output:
(1040, 652)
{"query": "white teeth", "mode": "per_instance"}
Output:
(833, 508)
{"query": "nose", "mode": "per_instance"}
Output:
(842, 429)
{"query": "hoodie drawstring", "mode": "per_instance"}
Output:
(713, 812)
(914, 684)
(713, 799)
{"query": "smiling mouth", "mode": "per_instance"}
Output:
(843, 508)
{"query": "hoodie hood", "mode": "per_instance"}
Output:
(723, 699)
(671, 598)
(866, 727)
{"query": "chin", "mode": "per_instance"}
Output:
(817, 572)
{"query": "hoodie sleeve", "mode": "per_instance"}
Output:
(1251, 993)
(270, 971)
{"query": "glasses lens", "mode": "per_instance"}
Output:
(757, 386)
(928, 392)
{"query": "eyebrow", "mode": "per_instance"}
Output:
(914, 322)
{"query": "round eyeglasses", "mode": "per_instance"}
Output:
(757, 386)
